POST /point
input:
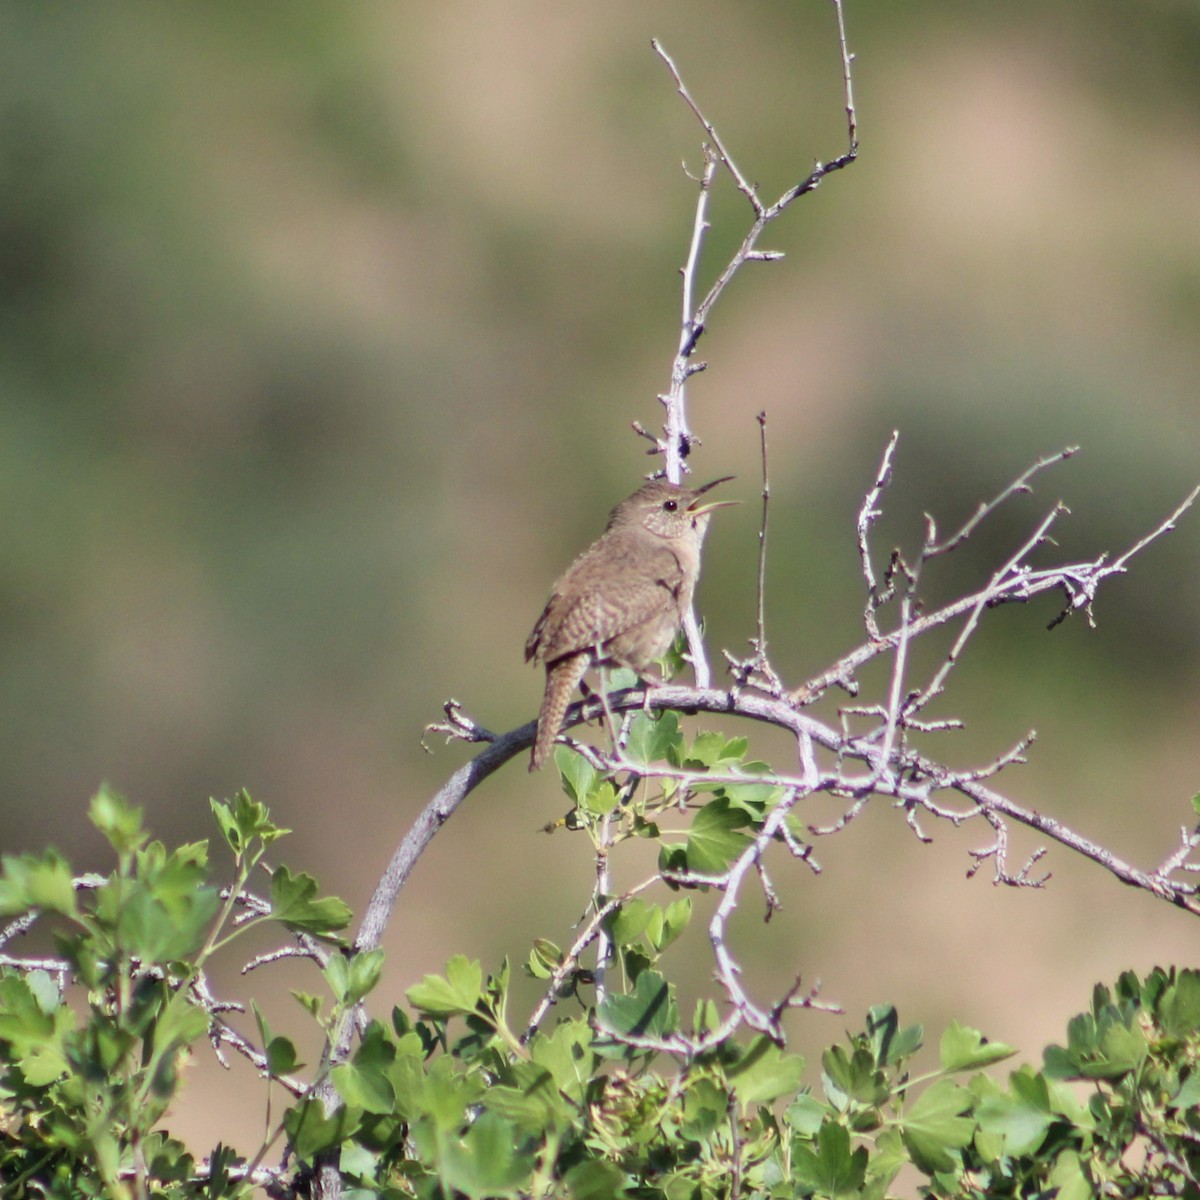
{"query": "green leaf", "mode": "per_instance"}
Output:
(357, 1162)
(635, 960)
(260, 1020)
(44, 990)
(852, 1078)
(735, 749)
(652, 739)
(281, 1056)
(628, 922)
(171, 1163)
(364, 1088)
(544, 959)
(705, 1108)
(706, 751)
(43, 1064)
(805, 1115)
(155, 920)
(567, 1054)
(752, 798)
(888, 1159)
(676, 658)
(106, 1151)
(1070, 1177)
(1122, 1050)
(484, 1162)
(599, 800)
(577, 774)
(649, 1012)
(713, 841)
(963, 1049)
(595, 1179)
(337, 974)
(223, 815)
(530, 1101)
(175, 1030)
(891, 1044)
(1100, 1045)
(445, 1095)
(178, 1026)
(666, 924)
(49, 885)
(711, 750)
(280, 1051)
(1020, 1126)
(23, 1022)
(243, 820)
(672, 859)
(457, 993)
(831, 1169)
(310, 1131)
(365, 969)
(310, 1003)
(1179, 1007)
(294, 902)
(37, 881)
(1188, 1094)
(933, 1127)
(764, 1073)
(118, 820)
(705, 1017)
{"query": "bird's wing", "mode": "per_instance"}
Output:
(533, 644)
(602, 596)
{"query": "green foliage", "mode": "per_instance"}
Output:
(88, 1067)
(626, 1097)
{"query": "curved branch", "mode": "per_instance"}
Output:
(894, 780)
(433, 816)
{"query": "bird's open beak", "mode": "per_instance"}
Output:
(696, 509)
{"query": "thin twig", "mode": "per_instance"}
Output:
(1019, 486)
(1007, 570)
(760, 617)
(709, 128)
(678, 440)
(1079, 580)
(868, 514)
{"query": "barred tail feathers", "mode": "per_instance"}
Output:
(562, 678)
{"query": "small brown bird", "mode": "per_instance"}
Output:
(623, 599)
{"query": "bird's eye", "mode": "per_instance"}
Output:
(670, 505)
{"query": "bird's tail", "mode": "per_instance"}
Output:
(562, 678)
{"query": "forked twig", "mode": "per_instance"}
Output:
(678, 441)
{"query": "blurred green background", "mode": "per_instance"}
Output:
(321, 330)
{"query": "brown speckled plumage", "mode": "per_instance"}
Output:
(623, 599)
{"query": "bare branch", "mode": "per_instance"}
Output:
(1189, 840)
(867, 516)
(1019, 486)
(756, 671)
(1079, 580)
(895, 716)
(1008, 570)
(722, 154)
(760, 616)
(678, 440)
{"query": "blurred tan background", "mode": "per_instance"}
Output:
(321, 329)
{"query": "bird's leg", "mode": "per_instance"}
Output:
(646, 686)
(602, 668)
(648, 682)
